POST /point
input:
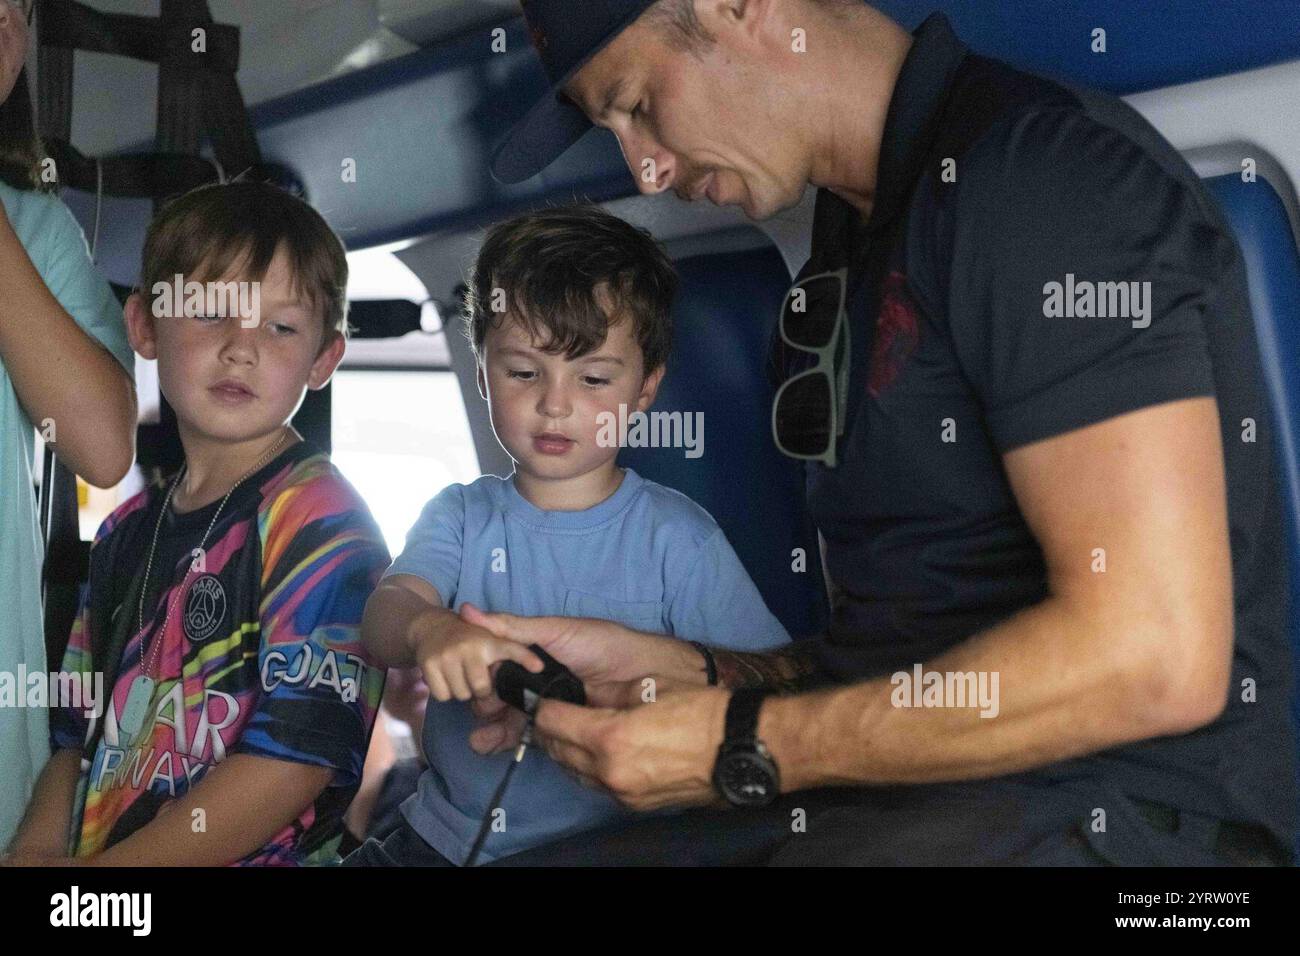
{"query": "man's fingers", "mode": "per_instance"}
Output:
(488, 739)
(510, 627)
(617, 695)
(487, 708)
(579, 760)
(572, 734)
(500, 733)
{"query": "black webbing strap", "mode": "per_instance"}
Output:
(131, 176)
(198, 94)
(71, 25)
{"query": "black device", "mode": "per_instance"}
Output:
(522, 689)
(745, 773)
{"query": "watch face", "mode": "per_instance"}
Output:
(747, 779)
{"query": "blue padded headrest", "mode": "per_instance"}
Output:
(1258, 218)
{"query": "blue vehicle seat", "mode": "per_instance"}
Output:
(726, 311)
(1258, 218)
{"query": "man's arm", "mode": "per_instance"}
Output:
(1140, 650)
(784, 670)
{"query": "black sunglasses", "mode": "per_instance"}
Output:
(809, 409)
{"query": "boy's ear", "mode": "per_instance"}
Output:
(482, 382)
(650, 388)
(328, 360)
(140, 329)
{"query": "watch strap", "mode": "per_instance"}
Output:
(742, 714)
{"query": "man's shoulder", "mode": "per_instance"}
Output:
(1009, 130)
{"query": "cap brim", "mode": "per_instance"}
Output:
(541, 137)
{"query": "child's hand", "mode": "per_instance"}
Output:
(457, 659)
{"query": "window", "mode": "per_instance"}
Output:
(401, 437)
(399, 426)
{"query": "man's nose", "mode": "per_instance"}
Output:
(653, 167)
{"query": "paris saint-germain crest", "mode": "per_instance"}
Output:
(205, 608)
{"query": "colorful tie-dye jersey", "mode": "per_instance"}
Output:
(262, 655)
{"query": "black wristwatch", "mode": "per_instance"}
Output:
(745, 773)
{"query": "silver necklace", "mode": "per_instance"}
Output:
(139, 698)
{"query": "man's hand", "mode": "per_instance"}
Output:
(13, 46)
(598, 652)
(658, 753)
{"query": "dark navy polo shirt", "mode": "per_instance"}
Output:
(959, 355)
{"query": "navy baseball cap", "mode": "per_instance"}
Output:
(566, 34)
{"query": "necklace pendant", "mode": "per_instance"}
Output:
(138, 701)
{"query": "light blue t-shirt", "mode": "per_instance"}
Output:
(57, 247)
(647, 557)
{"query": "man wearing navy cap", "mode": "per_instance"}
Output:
(1056, 560)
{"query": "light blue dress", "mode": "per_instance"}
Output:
(57, 247)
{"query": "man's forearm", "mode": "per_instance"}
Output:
(1063, 690)
(784, 670)
(47, 824)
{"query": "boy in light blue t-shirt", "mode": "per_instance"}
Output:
(569, 315)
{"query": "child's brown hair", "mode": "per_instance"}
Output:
(544, 270)
(213, 227)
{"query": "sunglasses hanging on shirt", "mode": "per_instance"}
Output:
(809, 410)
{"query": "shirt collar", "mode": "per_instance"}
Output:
(911, 123)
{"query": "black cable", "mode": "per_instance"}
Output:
(486, 826)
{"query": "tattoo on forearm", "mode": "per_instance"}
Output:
(785, 670)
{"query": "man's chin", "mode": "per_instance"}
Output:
(758, 210)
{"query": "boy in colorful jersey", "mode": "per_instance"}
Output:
(224, 605)
(570, 317)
